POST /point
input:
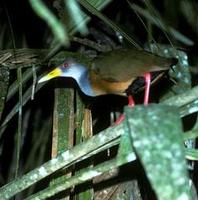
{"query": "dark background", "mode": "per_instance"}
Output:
(23, 28)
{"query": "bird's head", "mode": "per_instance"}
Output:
(69, 68)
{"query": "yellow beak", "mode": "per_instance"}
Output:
(55, 73)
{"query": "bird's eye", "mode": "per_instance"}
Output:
(65, 65)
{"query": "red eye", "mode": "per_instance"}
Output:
(65, 65)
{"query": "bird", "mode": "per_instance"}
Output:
(115, 72)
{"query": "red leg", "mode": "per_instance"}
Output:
(147, 77)
(131, 104)
(119, 120)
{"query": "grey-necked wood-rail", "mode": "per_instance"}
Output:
(113, 72)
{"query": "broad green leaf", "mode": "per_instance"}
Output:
(126, 151)
(156, 134)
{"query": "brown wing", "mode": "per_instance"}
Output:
(122, 65)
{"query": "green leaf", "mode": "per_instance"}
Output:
(77, 15)
(159, 23)
(156, 132)
(126, 151)
(57, 27)
(191, 154)
(71, 25)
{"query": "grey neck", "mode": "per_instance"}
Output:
(84, 85)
